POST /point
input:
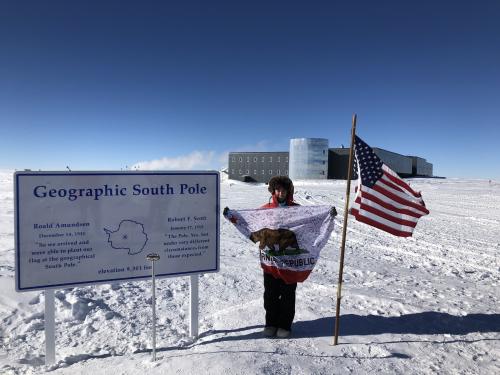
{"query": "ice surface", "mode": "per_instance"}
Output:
(421, 305)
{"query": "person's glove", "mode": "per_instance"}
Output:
(333, 211)
(226, 209)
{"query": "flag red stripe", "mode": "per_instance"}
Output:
(288, 276)
(403, 184)
(398, 199)
(407, 195)
(381, 226)
(387, 205)
(386, 216)
(391, 185)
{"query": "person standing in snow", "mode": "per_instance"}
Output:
(279, 297)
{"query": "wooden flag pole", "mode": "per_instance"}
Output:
(344, 231)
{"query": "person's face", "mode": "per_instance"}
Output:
(280, 193)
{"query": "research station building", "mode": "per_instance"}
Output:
(312, 159)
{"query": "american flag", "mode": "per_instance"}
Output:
(383, 199)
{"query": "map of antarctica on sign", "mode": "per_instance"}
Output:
(129, 235)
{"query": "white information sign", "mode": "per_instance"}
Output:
(81, 228)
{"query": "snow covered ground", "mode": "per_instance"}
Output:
(421, 305)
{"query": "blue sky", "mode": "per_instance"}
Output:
(109, 84)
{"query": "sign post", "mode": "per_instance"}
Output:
(193, 307)
(84, 228)
(50, 332)
(153, 258)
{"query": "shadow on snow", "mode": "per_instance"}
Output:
(425, 323)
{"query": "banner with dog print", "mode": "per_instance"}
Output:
(290, 238)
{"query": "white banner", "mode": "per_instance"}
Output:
(89, 227)
(290, 238)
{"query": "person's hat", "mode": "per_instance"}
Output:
(280, 181)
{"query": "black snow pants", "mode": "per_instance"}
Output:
(279, 302)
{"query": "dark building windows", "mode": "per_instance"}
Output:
(268, 164)
(264, 165)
